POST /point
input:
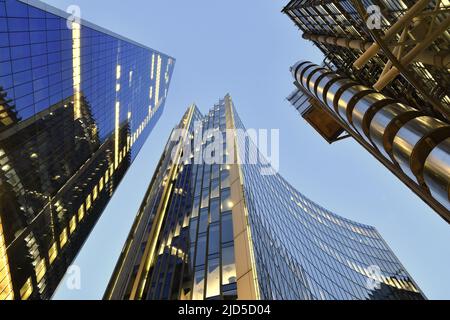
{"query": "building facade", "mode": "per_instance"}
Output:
(233, 228)
(77, 102)
(389, 61)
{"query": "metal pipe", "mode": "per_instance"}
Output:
(392, 31)
(411, 55)
(436, 59)
(417, 144)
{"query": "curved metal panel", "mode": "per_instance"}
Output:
(381, 122)
(347, 99)
(307, 71)
(298, 69)
(313, 79)
(399, 132)
(295, 68)
(360, 110)
(437, 172)
(322, 85)
(408, 137)
(318, 81)
(333, 91)
(301, 70)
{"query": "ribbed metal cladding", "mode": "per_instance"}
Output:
(418, 144)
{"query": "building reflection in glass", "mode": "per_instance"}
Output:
(225, 231)
(77, 102)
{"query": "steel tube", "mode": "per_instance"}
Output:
(418, 144)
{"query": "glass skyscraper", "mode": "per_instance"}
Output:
(233, 228)
(77, 102)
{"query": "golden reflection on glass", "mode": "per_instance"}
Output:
(53, 252)
(228, 266)
(199, 285)
(63, 238)
(26, 290)
(6, 291)
(158, 81)
(152, 71)
(213, 283)
(116, 135)
(76, 63)
(40, 270)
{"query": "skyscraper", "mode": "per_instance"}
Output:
(387, 62)
(233, 228)
(77, 102)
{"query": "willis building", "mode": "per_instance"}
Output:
(236, 229)
(77, 102)
(385, 82)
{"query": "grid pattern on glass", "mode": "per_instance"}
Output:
(76, 106)
(206, 269)
(304, 251)
(301, 250)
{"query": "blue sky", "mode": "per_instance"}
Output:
(246, 48)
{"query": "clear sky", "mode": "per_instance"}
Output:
(245, 47)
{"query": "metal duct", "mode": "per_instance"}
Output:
(419, 145)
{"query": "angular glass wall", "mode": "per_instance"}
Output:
(77, 102)
(303, 251)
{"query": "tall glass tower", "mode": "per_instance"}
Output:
(233, 228)
(77, 102)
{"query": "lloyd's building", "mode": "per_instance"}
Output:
(77, 102)
(384, 82)
(233, 228)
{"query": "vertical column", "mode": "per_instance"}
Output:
(158, 82)
(76, 63)
(247, 283)
(6, 289)
(117, 118)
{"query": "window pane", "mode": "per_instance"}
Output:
(215, 210)
(214, 239)
(203, 220)
(192, 255)
(228, 266)
(213, 283)
(215, 171)
(206, 176)
(198, 189)
(195, 207)
(225, 178)
(227, 228)
(226, 203)
(201, 251)
(215, 188)
(193, 230)
(205, 198)
(199, 285)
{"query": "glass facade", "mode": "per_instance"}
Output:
(77, 102)
(225, 231)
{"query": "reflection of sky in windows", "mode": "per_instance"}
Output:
(64, 92)
(37, 65)
(302, 251)
(308, 252)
